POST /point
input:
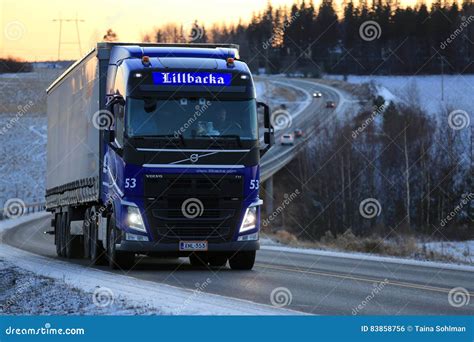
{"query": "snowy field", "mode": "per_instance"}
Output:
(457, 90)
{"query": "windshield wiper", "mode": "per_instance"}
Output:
(158, 136)
(224, 136)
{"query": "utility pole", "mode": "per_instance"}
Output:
(75, 21)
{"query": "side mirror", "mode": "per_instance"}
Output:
(113, 102)
(269, 135)
(266, 114)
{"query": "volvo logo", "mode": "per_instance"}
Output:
(194, 157)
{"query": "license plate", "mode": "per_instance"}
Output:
(193, 245)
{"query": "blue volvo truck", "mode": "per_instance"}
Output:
(154, 149)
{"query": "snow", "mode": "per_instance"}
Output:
(366, 257)
(459, 250)
(456, 89)
(139, 295)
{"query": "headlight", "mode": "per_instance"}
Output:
(134, 219)
(250, 220)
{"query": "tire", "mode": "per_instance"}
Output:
(117, 259)
(242, 260)
(217, 260)
(74, 246)
(97, 251)
(57, 234)
(198, 260)
(86, 233)
(62, 234)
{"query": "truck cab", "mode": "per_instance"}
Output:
(179, 156)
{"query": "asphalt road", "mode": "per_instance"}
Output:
(315, 113)
(316, 284)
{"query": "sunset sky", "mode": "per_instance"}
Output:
(28, 30)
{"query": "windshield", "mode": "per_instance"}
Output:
(192, 118)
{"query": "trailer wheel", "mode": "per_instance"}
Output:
(57, 233)
(62, 234)
(217, 260)
(242, 260)
(199, 260)
(74, 245)
(97, 251)
(117, 259)
(86, 232)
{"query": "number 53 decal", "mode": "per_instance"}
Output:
(130, 183)
(254, 184)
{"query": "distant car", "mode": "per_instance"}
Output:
(299, 133)
(330, 104)
(287, 139)
(317, 94)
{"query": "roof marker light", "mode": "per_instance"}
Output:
(146, 60)
(230, 61)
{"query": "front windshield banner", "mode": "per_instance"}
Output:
(192, 78)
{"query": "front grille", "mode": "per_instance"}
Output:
(218, 206)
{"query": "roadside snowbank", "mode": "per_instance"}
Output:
(363, 257)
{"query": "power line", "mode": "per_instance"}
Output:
(74, 21)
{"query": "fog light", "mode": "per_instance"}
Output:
(136, 237)
(248, 237)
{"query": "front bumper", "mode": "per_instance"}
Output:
(173, 248)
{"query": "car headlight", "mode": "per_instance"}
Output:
(250, 220)
(134, 219)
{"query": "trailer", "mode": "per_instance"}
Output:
(154, 149)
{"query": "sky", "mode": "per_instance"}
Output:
(29, 32)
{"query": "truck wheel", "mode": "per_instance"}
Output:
(57, 233)
(217, 260)
(198, 260)
(242, 260)
(74, 247)
(97, 250)
(117, 259)
(86, 232)
(62, 234)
